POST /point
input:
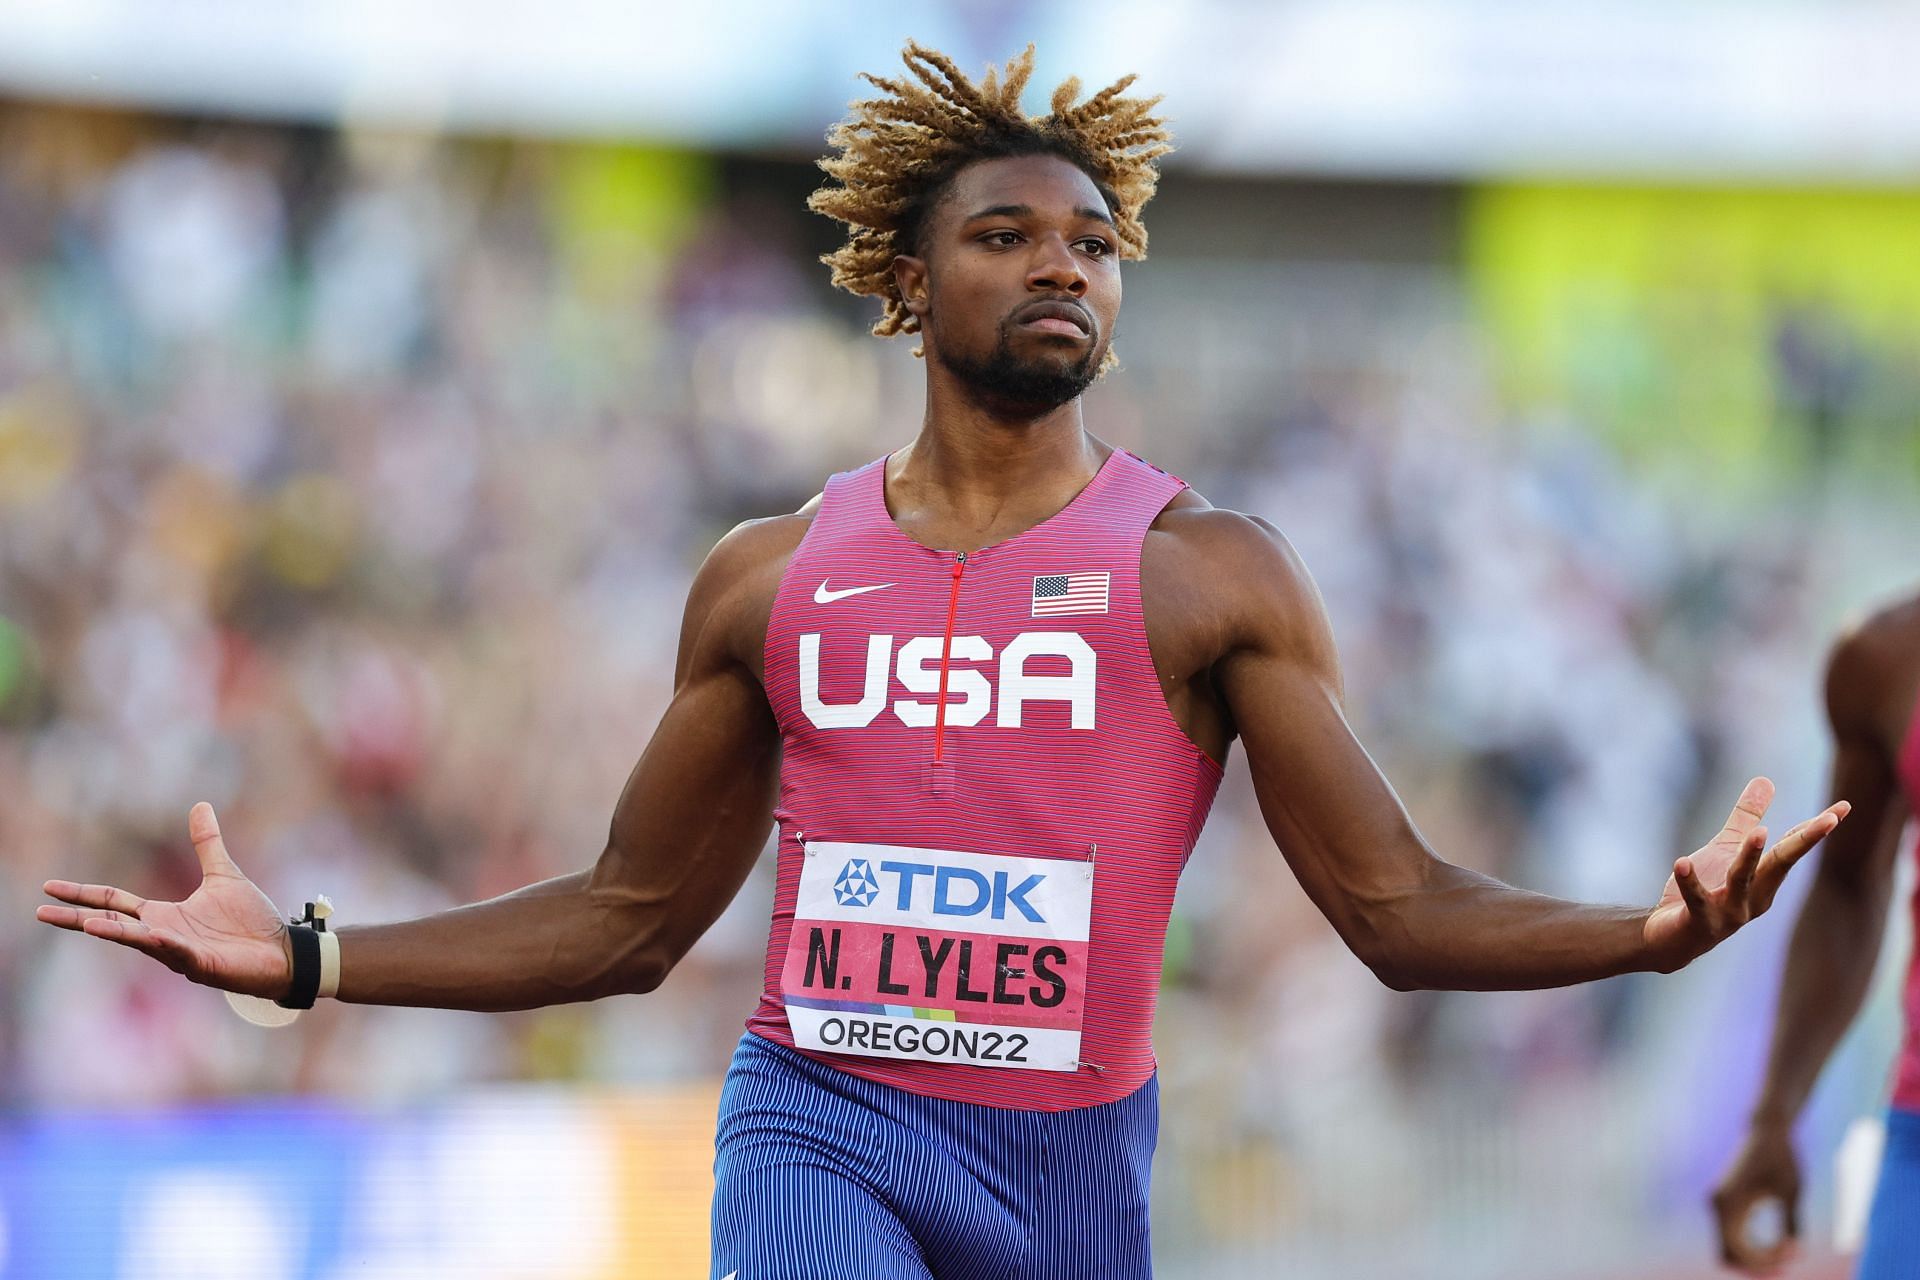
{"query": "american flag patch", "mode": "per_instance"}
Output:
(1061, 593)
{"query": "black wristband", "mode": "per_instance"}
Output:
(306, 968)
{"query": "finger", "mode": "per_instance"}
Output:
(204, 830)
(1747, 810)
(1729, 1211)
(1774, 1259)
(1740, 874)
(102, 896)
(1798, 842)
(1768, 1257)
(1737, 1250)
(1691, 890)
(72, 917)
(162, 945)
(1738, 1247)
(1793, 846)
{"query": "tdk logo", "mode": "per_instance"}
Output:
(941, 891)
(856, 886)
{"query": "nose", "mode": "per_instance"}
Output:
(1055, 268)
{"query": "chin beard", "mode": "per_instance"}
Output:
(1025, 388)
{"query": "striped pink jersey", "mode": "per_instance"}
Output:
(1906, 1087)
(985, 803)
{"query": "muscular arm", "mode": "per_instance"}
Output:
(1837, 938)
(1415, 919)
(688, 826)
(1870, 691)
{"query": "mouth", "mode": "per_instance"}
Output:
(1064, 319)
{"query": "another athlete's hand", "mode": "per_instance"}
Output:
(1766, 1169)
(1729, 880)
(226, 935)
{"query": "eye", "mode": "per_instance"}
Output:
(1094, 246)
(1001, 239)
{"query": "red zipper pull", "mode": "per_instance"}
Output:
(946, 655)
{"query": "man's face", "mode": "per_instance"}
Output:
(1017, 282)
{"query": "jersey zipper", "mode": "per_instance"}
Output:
(946, 655)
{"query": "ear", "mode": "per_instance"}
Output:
(910, 276)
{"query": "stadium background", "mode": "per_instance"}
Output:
(373, 377)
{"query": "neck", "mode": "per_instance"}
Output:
(975, 454)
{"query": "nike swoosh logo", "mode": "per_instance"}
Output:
(823, 596)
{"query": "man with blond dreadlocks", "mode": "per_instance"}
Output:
(985, 686)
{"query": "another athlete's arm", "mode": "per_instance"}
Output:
(1835, 943)
(1415, 919)
(688, 826)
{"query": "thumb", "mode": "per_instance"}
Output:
(204, 830)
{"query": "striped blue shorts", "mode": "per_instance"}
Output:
(1893, 1227)
(821, 1175)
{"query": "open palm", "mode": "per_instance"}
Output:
(227, 934)
(1732, 878)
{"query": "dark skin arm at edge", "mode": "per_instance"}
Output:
(690, 823)
(1836, 940)
(1836, 943)
(1414, 919)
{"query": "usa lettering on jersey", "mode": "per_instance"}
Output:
(970, 693)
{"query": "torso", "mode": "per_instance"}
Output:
(1001, 789)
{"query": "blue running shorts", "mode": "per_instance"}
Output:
(1893, 1227)
(820, 1175)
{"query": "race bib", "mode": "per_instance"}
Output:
(939, 956)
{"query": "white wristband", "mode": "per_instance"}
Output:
(329, 964)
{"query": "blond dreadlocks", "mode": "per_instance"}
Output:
(893, 154)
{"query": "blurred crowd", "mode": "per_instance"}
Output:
(352, 482)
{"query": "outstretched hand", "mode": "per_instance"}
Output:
(227, 934)
(1730, 879)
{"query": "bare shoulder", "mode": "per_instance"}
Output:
(1873, 670)
(753, 548)
(1882, 642)
(1234, 573)
(732, 594)
(1230, 555)
(1190, 525)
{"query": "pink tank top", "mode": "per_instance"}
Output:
(985, 803)
(1906, 1088)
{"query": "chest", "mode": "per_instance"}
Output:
(1007, 639)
